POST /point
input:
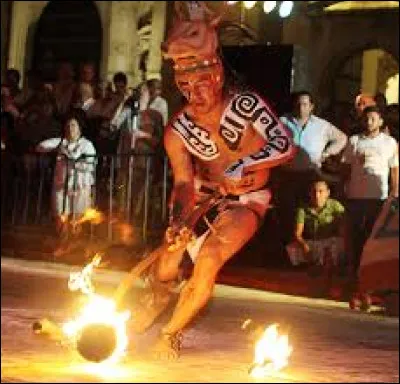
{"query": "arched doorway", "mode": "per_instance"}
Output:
(67, 31)
(370, 71)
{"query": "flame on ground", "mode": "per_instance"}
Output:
(92, 215)
(63, 218)
(97, 310)
(272, 352)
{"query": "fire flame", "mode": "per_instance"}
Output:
(91, 215)
(63, 218)
(272, 352)
(98, 309)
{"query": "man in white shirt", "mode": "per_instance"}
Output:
(317, 140)
(372, 166)
(157, 102)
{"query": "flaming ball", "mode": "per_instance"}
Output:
(97, 342)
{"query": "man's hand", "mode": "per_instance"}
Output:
(306, 248)
(238, 186)
(300, 242)
(232, 179)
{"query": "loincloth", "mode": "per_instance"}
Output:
(257, 202)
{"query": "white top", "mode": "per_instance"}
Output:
(371, 160)
(315, 141)
(81, 165)
(160, 104)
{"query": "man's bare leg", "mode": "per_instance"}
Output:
(199, 288)
(157, 295)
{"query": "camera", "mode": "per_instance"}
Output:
(133, 100)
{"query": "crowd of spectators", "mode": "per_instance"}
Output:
(37, 111)
(83, 123)
(358, 163)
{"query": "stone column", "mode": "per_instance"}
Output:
(20, 20)
(103, 8)
(369, 79)
(123, 41)
(296, 31)
(5, 25)
(157, 37)
(24, 16)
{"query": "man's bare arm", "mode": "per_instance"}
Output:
(298, 237)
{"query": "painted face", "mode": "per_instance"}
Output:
(201, 87)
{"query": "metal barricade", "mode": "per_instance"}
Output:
(136, 195)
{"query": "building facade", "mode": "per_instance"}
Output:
(342, 47)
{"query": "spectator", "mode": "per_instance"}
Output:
(319, 231)
(361, 102)
(140, 131)
(146, 130)
(7, 102)
(120, 84)
(371, 160)
(64, 88)
(84, 97)
(156, 101)
(38, 120)
(105, 112)
(116, 104)
(87, 75)
(12, 80)
(317, 138)
(32, 85)
(73, 176)
(318, 141)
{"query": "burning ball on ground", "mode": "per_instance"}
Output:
(97, 342)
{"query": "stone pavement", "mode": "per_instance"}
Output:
(331, 343)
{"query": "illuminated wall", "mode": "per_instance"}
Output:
(120, 46)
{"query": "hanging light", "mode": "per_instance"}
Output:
(231, 2)
(285, 9)
(249, 4)
(269, 6)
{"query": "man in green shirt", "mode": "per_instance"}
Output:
(319, 230)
